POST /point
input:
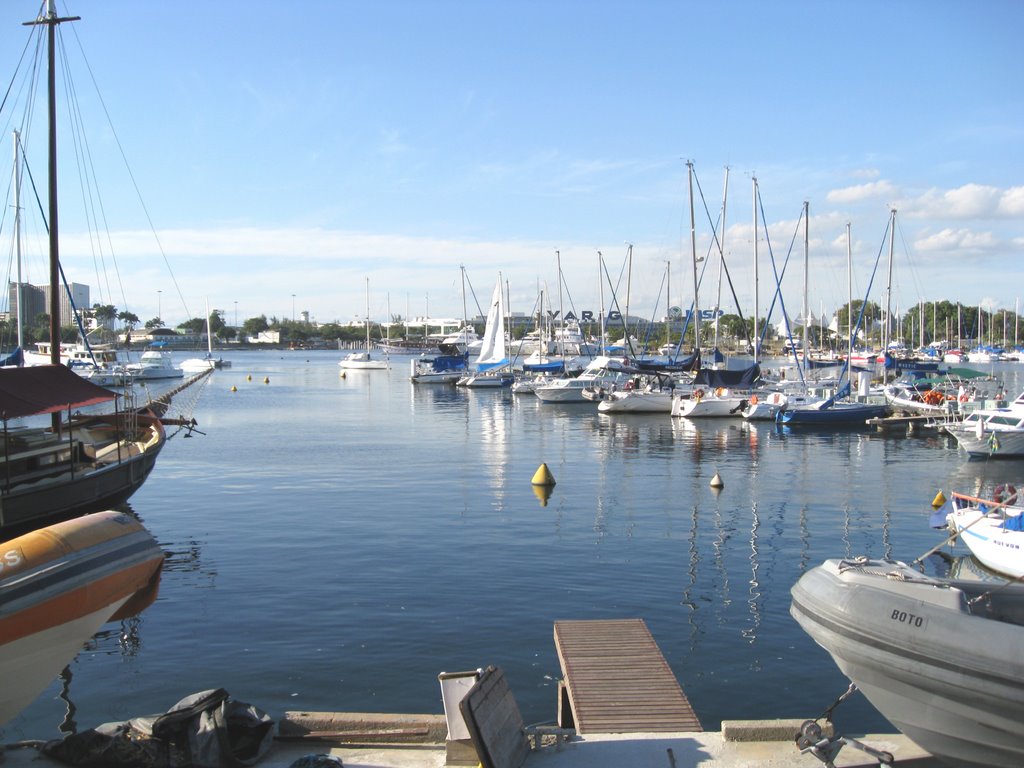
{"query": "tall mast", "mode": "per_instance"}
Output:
(560, 347)
(17, 236)
(849, 288)
(721, 253)
(600, 288)
(888, 286)
(757, 337)
(807, 255)
(693, 257)
(51, 20)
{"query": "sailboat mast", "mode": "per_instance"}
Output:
(888, 286)
(807, 256)
(693, 258)
(721, 253)
(560, 347)
(757, 337)
(51, 20)
(849, 288)
(17, 236)
(600, 291)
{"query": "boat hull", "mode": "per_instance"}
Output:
(59, 585)
(1000, 444)
(637, 401)
(948, 678)
(998, 548)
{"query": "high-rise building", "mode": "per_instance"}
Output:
(35, 301)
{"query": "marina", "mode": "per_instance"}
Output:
(335, 543)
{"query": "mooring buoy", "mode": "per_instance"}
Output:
(234, 388)
(716, 481)
(939, 500)
(266, 379)
(249, 377)
(543, 476)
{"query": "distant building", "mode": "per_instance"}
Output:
(35, 301)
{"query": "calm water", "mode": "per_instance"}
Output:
(334, 543)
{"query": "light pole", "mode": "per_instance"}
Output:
(159, 311)
(293, 307)
(236, 314)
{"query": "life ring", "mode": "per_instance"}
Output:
(753, 399)
(719, 392)
(964, 398)
(1004, 495)
(698, 394)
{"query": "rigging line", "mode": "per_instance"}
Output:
(88, 186)
(124, 158)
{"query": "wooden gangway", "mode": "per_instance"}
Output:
(616, 680)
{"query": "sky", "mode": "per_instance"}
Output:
(279, 158)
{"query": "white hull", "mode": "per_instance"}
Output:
(363, 361)
(1006, 443)
(710, 406)
(943, 672)
(571, 391)
(998, 548)
(637, 401)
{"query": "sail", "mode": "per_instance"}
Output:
(493, 351)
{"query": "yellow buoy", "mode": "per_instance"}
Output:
(266, 379)
(249, 377)
(234, 388)
(342, 374)
(543, 476)
(939, 500)
(716, 481)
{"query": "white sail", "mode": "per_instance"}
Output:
(494, 350)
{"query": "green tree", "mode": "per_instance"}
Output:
(156, 322)
(255, 325)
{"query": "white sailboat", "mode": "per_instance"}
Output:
(197, 364)
(492, 365)
(365, 361)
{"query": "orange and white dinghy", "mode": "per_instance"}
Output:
(58, 586)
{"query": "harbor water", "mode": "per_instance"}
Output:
(335, 542)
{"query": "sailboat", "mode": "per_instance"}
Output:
(493, 368)
(86, 461)
(197, 364)
(365, 361)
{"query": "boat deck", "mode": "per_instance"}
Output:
(617, 681)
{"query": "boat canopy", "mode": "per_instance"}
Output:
(46, 389)
(711, 377)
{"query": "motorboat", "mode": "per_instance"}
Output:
(995, 432)
(720, 403)
(58, 585)
(446, 368)
(601, 371)
(154, 364)
(765, 406)
(87, 463)
(993, 529)
(941, 659)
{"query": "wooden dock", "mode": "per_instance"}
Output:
(615, 680)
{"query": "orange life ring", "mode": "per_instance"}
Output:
(753, 399)
(964, 398)
(698, 394)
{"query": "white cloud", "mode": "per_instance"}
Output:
(870, 191)
(971, 201)
(950, 239)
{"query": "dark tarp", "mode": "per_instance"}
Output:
(742, 379)
(46, 389)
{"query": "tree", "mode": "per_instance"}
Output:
(156, 322)
(255, 325)
(217, 321)
(104, 313)
(130, 319)
(194, 325)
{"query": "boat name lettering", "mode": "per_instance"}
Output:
(10, 559)
(909, 619)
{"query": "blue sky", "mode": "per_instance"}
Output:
(285, 152)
